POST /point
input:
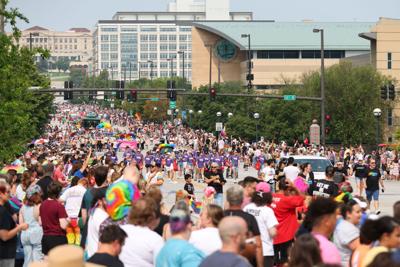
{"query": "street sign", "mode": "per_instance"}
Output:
(172, 104)
(219, 126)
(154, 99)
(289, 97)
(169, 112)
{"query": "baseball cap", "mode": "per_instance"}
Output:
(263, 187)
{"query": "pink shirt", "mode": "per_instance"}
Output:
(329, 253)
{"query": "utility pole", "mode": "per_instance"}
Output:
(2, 8)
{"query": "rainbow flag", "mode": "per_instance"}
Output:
(196, 206)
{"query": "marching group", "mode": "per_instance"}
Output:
(79, 195)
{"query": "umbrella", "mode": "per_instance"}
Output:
(17, 168)
(41, 141)
(164, 148)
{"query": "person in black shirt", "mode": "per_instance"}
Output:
(325, 187)
(372, 189)
(340, 173)
(214, 178)
(110, 244)
(253, 249)
(8, 228)
(360, 172)
(188, 185)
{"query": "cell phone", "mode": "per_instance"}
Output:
(383, 190)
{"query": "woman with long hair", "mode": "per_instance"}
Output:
(31, 239)
(305, 252)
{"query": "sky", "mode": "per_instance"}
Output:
(61, 15)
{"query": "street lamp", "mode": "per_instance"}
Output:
(32, 34)
(183, 66)
(322, 85)
(256, 117)
(377, 113)
(190, 117)
(219, 114)
(171, 60)
(249, 77)
(230, 114)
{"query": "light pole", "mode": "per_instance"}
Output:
(183, 66)
(199, 112)
(32, 34)
(171, 60)
(219, 114)
(249, 77)
(210, 74)
(256, 117)
(322, 86)
(377, 113)
(151, 68)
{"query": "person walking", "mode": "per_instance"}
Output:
(373, 180)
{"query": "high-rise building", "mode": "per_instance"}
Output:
(74, 44)
(137, 45)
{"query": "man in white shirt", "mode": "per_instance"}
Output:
(207, 239)
(291, 172)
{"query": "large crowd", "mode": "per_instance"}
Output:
(97, 195)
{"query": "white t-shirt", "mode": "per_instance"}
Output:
(266, 220)
(221, 144)
(20, 192)
(269, 173)
(141, 246)
(93, 235)
(207, 240)
(291, 172)
(73, 200)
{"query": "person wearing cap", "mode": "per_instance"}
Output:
(32, 237)
(266, 220)
(214, 178)
(177, 251)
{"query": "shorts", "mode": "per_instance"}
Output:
(372, 194)
(359, 179)
(52, 241)
(281, 253)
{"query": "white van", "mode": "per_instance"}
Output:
(318, 164)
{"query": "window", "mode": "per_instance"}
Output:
(390, 117)
(123, 29)
(275, 54)
(70, 40)
(152, 47)
(61, 40)
(104, 65)
(144, 47)
(163, 65)
(75, 47)
(105, 47)
(70, 46)
(114, 56)
(148, 29)
(182, 37)
(75, 40)
(172, 37)
(153, 56)
(153, 37)
(65, 40)
(45, 40)
(104, 38)
(144, 37)
(163, 47)
(172, 47)
(55, 40)
(108, 29)
(172, 55)
(56, 47)
(185, 29)
(167, 29)
(144, 56)
(163, 55)
(114, 38)
(105, 56)
(389, 61)
(114, 47)
(183, 47)
(163, 73)
(163, 37)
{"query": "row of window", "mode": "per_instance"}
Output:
(146, 29)
(56, 40)
(165, 37)
(288, 54)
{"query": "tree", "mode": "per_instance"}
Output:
(23, 113)
(62, 64)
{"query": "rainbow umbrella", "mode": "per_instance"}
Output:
(164, 148)
(17, 168)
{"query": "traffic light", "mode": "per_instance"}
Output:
(68, 95)
(171, 94)
(392, 92)
(328, 119)
(132, 97)
(213, 94)
(384, 92)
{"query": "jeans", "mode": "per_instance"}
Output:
(219, 199)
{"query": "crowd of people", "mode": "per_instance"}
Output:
(99, 195)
